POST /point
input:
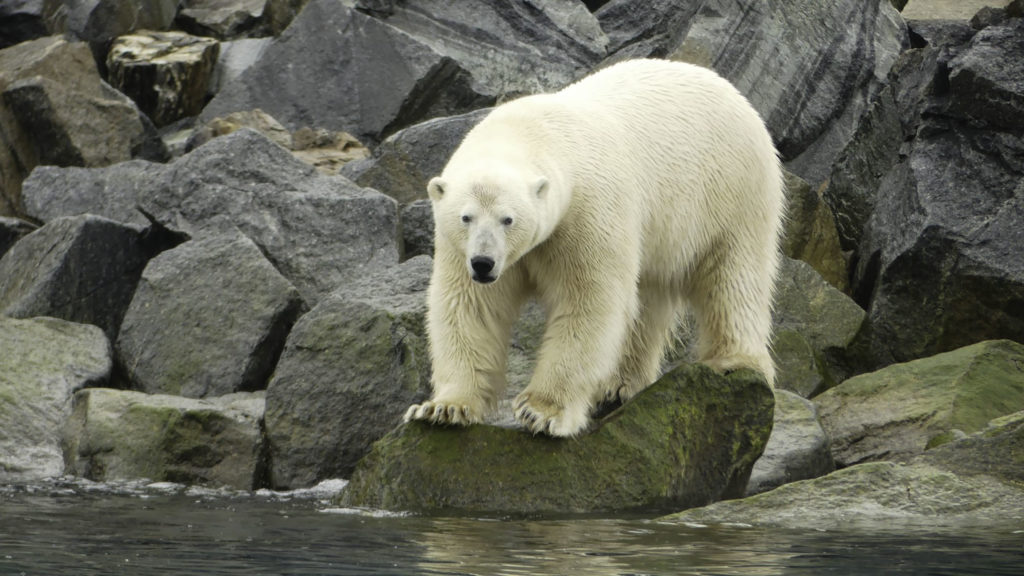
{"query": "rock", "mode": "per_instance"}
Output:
(100, 21)
(986, 81)
(318, 231)
(166, 73)
(236, 57)
(44, 361)
(946, 10)
(321, 73)
(810, 233)
(773, 54)
(403, 163)
(327, 151)
(12, 230)
(971, 482)
(256, 120)
(226, 19)
(689, 439)
(125, 435)
(418, 228)
(814, 321)
(54, 109)
(21, 21)
(81, 269)
(209, 318)
(649, 33)
(509, 48)
(797, 449)
(904, 409)
(350, 369)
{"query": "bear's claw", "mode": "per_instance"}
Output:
(442, 413)
(548, 418)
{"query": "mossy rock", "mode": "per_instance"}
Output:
(688, 440)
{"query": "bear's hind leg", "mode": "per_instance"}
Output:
(732, 301)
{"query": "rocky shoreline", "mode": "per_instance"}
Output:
(215, 242)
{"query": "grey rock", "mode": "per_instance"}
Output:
(12, 230)
(798, 448)
(986, 81)
(402, 164)
(54, 109)
(125, 435)
(208, 318)
(81, 269)
(350, 369)
(235, 58)
(810, 68)
(687, 440)
(166, 73)
(21, 21)
(100, 21)
(509, 48)
(318, 231)
(649, 33)
(810, 232)
(972, 482)
(904, 409)
(44, 361)
(226, 19)
(418, 228)
(321, 73)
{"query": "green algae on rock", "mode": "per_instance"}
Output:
(688, 440)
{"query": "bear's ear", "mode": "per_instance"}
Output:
(435, 189)
(540, 187)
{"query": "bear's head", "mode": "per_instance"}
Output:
(491, 218)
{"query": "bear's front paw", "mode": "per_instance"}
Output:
(542, 416)
(440, 412)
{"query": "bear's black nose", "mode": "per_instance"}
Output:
(482, 265)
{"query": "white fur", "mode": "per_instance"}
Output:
(646, 186)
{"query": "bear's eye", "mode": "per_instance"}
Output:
(507, 221)
(466, 218)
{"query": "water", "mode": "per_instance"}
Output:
(81, 528)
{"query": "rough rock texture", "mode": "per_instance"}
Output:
(403, 163)
(903, 409)
(209, 318)
(418, 228)
(232, 18)
(812, 321)
(687, 440)
(318, 231)
(350, 369)
(82, 269)
(797, 449)
(509, 48)
(325, 71)
(167, 74)
(809, 67)
(21, 21)
(42, 363)
(975, 481)
(12, 230)
(100, 21)
(54, 109)
(125, 435)
(810, 233)
(236, 57)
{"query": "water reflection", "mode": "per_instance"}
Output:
(74, 530)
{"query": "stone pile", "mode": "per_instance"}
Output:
(215, 244)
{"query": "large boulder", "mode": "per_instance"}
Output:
(55, 109)
(233, 18)
(12, 230)
(21, 21)
(687, 440)
(125, 435)
(810, 68)
(44, 361)
(903, 409)
(167, 74)
(350, 369)
(972, 482)
(209, 318)
(81, 268)
(98, 22)
(319, 231)
(325, 71)
(509, 48)
(797, 449)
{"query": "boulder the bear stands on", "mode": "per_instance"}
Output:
(642, 188)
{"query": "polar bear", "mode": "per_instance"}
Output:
(642, 188)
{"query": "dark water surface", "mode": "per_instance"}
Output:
(79, 528)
